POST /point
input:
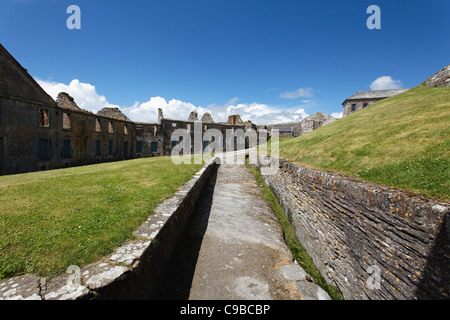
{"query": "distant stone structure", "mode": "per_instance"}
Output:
(314, 122)
(440, 79)
(114, 113)
(282, 131)
(39, 133)
(65, 101)
(207, 118)
(363, 99)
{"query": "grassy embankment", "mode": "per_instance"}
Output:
(50, 220)
(401, 142)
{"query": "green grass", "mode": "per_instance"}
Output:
(401, 142)
(291, 239)
(50, 220)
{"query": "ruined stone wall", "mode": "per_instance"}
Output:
(315, 121)
(169, 125)
(353, 229)
(19, 132)
(347, 106)
(149, 134)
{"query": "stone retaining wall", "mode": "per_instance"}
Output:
(133, 270)
(371, 242)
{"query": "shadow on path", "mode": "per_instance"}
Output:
(176, 283)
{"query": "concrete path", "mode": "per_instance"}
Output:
(233, 248)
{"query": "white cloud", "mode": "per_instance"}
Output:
(264, 114)
(299, 93)
(87, 98)
(174, 109)
(85, 94)
(337, 115)
(386, 82)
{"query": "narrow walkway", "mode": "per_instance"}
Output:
(233, 247)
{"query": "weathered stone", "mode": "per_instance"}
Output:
(65, 287)
(65, 101)
(193, 116)
(132, 271)
(235, 120)
(314, 122)
(113, 113)
(101, 274)
(312, 291)
(129, 252)
(234, 220)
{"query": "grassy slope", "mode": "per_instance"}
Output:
(402, 142)
(50, 220)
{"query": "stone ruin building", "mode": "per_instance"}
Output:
(363, 99)
(306, 125)
(39, 133)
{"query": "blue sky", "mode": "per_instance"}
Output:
(270, 61)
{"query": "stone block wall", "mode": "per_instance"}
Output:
(371, 242)
(133, 271)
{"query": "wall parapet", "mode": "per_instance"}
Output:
(132, 271)
(370, 241)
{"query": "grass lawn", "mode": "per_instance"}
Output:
(50, 220)
(401, 142)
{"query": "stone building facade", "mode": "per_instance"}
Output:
(283, 131)
(363, 99)
(39, 133)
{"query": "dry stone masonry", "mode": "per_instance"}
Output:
(132, 271)
(352, 229)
